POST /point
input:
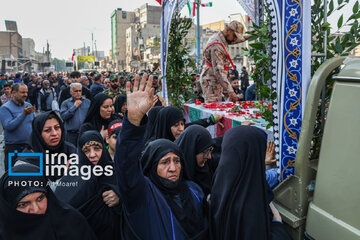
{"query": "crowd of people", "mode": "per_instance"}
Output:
(170, 178)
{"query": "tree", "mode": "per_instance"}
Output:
(178, 62)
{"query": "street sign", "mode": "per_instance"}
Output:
(85, 59)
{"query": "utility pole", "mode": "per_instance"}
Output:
(198, 4)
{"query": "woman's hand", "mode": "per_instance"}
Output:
(140, 100)
(103, 132)
(110, 198)
(270, 154)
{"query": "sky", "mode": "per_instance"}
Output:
(67, 24)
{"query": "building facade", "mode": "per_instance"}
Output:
(120, 21)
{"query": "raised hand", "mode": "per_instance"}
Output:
(270, 154)
(140, 100)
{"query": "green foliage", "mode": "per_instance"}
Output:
(345, 39)
(260, 53)
(178, 62)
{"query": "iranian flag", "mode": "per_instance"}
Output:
(73, 55)
(159, 1)
(192, 8)
(209, 4)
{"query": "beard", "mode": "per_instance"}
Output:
(114, 86)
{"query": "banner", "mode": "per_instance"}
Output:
(85, 59)
(251, 8)
(291, 68)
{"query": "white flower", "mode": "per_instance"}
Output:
(293, 121)
(294, 42)
(293, 12)
(294, 63)
(292, 92)
(291, 150)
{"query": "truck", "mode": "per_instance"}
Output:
(321, 200)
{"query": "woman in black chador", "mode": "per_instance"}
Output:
(32, 211)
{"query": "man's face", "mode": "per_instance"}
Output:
(85, 82)
(231, 37)
(235, 84)
(76, 80)
(40, 79)
(114, 83)
(122, 81)
(7, 91)
(46, 84)
(21, 95)
(155, 82)
(76, 92)
(107, 83)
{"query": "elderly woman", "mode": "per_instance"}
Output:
(31, 211)
(96, 198)
(161, 204)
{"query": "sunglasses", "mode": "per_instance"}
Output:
(114, 80)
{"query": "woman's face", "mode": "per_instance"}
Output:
(169, 167)
(51, 132)
(93, 152)
(33, 203)
(178, 128)
(112, 141)
(124, 107)
(106, 109)
(202, 157)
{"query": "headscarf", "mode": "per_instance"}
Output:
(38, 144)
(194, 140)
(86, 197)
(166, 118)
(239, 203)
(152, 115)
(93, 115)
(58, 221)
(119, 102)
(176, 194)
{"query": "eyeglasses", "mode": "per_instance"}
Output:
(208, 151)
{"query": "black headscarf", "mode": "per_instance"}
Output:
(152, 115)
(239, 203)
(194, 140)
(93, 116)
(86, 197)
(119, 102)
(166, 118)
(58, 221)
(176, 194)
(38, 145)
